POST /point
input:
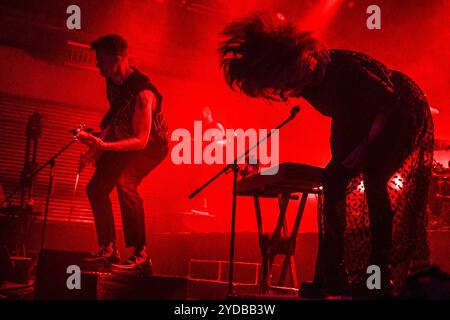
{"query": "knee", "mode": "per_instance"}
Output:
(126, 186)
(334, 181)
(329, 174)
(380, 207)
(128, 193)
(376, 189)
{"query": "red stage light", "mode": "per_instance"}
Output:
(320, 16)
(281, 16)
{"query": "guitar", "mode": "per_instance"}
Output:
(93, 153)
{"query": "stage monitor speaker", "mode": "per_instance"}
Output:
(52, 275)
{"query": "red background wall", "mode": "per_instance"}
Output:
(176, 45)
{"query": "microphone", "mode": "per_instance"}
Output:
(294, 111)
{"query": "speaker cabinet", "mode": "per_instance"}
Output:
(53, 271)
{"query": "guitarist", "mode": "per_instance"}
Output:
(133, 142)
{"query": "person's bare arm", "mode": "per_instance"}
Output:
(376, 92)
(142, 121)
(377, 127)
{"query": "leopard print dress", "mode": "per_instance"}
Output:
(407, 188)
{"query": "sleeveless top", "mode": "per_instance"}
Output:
(122, 99)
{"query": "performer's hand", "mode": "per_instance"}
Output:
(355, 158)
(84, 137)
(90, 140)
(97, 143)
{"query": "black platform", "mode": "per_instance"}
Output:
(118, 287)
(52, 277)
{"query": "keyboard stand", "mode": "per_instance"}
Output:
(291, 181)
(280, 242)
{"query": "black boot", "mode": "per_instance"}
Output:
(333, 282)
(337, 281)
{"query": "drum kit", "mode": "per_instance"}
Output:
(439, 196)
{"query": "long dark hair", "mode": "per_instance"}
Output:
(261, 53)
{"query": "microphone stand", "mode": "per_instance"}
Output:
(50, 162)
(234, 167)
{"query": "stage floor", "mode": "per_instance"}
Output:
(203, 282)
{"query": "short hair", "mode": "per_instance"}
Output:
(260, 53)
(113, 44)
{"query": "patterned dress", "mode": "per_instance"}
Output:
(355, 88)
